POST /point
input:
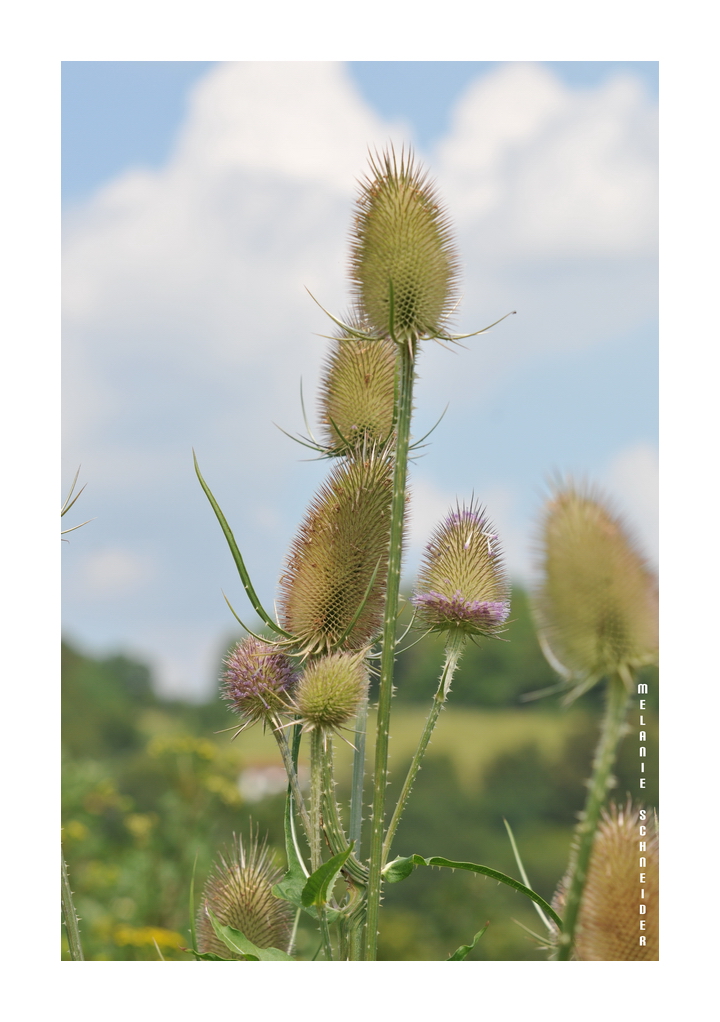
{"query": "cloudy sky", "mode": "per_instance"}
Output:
(202, 200)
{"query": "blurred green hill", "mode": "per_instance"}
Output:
(152, 790)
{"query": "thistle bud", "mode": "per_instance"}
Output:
(342, 543)
(616, 909)
(461, 582)
(403, 265)
(597, 605)
(357, 394)
(331, 690)
(257, 679)
(239, 894)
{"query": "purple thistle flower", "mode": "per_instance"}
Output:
(256, 679)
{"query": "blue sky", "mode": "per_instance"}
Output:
(201, 199)
(118, 114)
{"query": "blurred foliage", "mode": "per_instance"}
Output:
(153, 790)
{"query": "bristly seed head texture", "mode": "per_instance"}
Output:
(239, 894)
(357, 394)
(257, 679)
(331, 690)
(341, 543)
(462, 585)
(596, 606)
(612, 909)
(403, 264)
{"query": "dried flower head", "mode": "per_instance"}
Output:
(239, 894)
(597, 604)
(341, 545)
(357, 394)
(462, 583)
(331, 690)
(617, 910)
(404, 267)
(257, 679)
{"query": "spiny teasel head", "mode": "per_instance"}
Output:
(357, 393)
(342, 543)
(403, 264)
(331, 690)
(615, 905)
(257, 680)
(239, 894)
(462, 585)
(596, 606)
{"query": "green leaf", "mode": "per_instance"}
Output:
(238, 942)
(399, 869)
(319, 885)
(205, 957)
(464, 950)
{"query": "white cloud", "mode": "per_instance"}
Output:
(539, 170)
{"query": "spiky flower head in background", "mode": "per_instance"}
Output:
(461, 584)
(357, 393)
(339, 559)
(403, 264)
(612, 909)
(257, 680)
(596, 606)
(331, 690)
(238, 892)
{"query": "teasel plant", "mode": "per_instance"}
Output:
(612, 916)
(596, 612)
(338, 612)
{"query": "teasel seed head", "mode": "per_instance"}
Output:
(357, 393)
(403, 264)
(257, 680)
(462, 585)
(596, 606)
(342, 543)
(331, 690)
(608, 927)
(238, 892)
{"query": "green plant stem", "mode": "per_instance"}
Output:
(406, 376)
(358, 777)
(70, 917)
(618, 697)
(316, 788)
(290, 770)
(331, 822)
(355, 873)
(317, 751)
(453, 651)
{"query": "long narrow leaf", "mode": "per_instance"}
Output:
(523, 874)
(237, 556)
(464, 950)
(399, 869)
